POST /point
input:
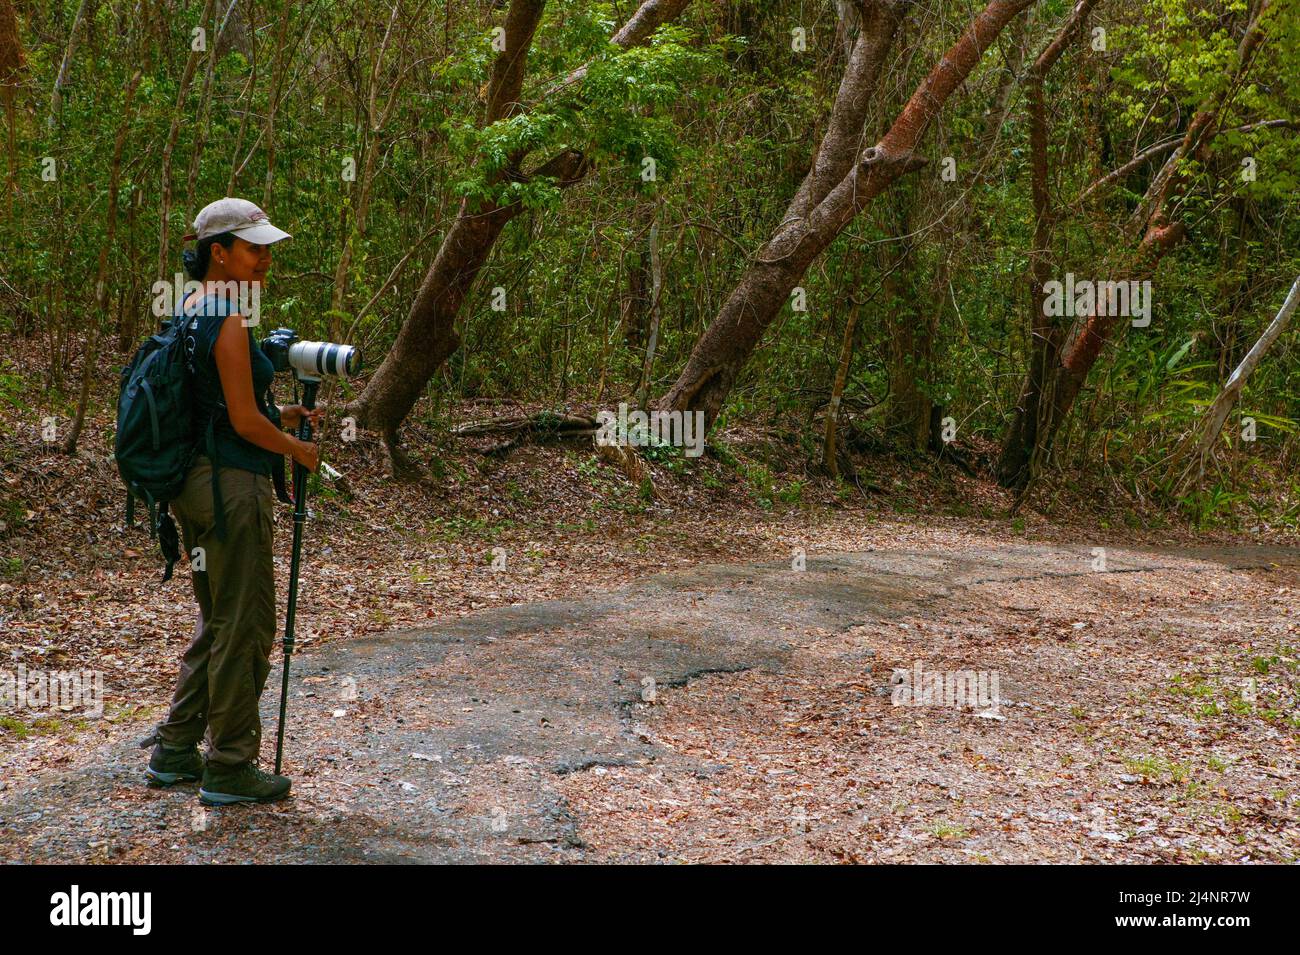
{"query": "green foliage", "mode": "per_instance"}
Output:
(732, 117)
(621, 112)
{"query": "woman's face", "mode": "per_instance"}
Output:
(243, 261)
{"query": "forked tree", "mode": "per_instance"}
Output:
(1154, 230)
(428, 337)
(846, 175)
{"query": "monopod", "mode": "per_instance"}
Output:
(309, 386)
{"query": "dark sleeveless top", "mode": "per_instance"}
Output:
(212, 431)
(206, 317)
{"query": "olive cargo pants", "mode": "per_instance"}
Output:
(225, 668)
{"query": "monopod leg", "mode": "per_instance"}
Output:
(299, 520)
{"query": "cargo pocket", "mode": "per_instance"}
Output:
(266, 508)
(195, 501)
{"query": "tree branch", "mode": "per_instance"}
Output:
(508, 70)
(649, 17)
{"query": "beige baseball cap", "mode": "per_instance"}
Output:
(238, 216)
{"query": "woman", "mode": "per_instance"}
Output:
(225, 513)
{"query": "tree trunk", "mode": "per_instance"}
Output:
(1160, 230)
(830, 451)
(165, 175)
(282, 58)
(127, 317)
(100, 289)
(249, 85)
(11, 64)
(911, 339)
(376, 120)
(632, 303)
(1013, 467)
(201, 127)
(428, 336)
(1201, 443)
(69, 53)
(830, 197)
(656, 286)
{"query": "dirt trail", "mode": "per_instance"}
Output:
(1136, 724)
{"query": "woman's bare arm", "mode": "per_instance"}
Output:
(236, 372)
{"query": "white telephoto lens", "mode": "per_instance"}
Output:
(324, 358)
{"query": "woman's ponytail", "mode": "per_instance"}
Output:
(196, 260)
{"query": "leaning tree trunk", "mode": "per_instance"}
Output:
(423, 344)
(842, 182)
(428, 336)
(1201, 442)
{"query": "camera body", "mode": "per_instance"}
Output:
(275, 347)
(313, 359)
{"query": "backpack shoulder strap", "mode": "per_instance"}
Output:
(208, 438)
(218, 505)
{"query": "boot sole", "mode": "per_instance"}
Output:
(159, 780)
(229, 799)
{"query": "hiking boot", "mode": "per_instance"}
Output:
(169, 766)
(223, 785)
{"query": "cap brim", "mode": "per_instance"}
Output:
(262, 234)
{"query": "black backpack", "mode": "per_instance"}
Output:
(155, 447)
(156, 442)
